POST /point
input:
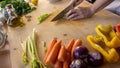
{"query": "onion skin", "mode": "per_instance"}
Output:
(78, 63)
(95, 59)
(80, 52)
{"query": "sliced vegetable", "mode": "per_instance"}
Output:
(43, 17)
(80, 52)
(117, 29)
(110, 54)
(104, 29)
(109, 36)
(44, 46)
(78, 63)
(95, 59)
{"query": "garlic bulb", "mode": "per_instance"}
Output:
(2, 19)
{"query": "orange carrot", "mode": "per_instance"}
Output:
(77, 43)
(70, 45)
(68, 58)
(67, 61)
(65, 64)
(52, 57)
(58, 64)
(62, 54)
(52, 43)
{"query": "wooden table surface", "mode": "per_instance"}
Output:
(48, 30)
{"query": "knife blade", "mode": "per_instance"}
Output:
(63, 12)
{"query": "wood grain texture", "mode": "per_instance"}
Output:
(63, 30)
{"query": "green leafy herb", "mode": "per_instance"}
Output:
(21, 7)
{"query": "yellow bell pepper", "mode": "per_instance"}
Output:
(110, 54)
(108, 34)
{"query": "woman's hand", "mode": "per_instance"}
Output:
(79, 13)
(76, 2)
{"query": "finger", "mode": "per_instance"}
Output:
(72, 16)
(70, 12)
(77, 18)
(79, 10)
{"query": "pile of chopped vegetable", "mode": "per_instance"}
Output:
(21, 7)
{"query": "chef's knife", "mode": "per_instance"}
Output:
(63, 12)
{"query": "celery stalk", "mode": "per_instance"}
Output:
(32, 49)
(24, 57)
(43, 17)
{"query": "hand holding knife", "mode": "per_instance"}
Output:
(72, 4)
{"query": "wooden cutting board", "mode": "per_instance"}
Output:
(62, 30)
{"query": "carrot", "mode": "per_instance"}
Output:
(70, 45)
(52, 43)
(77, 43)
(62, 54)
(65, 64)
(58, 64)
(52, 57)
(68, 58)
(67, 61)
